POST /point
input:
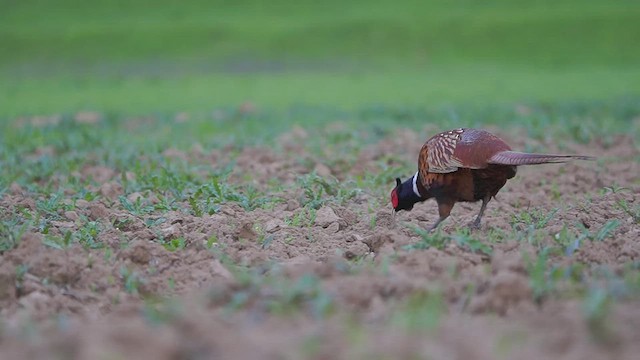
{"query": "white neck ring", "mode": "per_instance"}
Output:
(415, 185)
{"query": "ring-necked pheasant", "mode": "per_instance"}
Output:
(464, 165)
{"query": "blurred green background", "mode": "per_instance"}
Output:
(143, 56)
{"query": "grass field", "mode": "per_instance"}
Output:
(194, 56)
(211, 180)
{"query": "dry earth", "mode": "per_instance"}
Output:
(350, 271)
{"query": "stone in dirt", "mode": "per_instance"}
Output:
(325, 216)
(333, 228)
(98, 212)
(322, 170)
(111, 190)
(71, 215)
(246, 231)
(273, 225)
(292, 205)
(139, 251)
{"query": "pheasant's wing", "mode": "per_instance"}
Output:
(460, 148)
(439, 153)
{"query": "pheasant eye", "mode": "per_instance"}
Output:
(394, 198)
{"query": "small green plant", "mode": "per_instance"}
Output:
(11, 231)
(166, 203)
(59, 242)
(569, 241)
(108, 253)
(122, 223)
(87, 235)
(606, 230)
(166, 177)
(304, 217)
(428, 239)
(86, 195)
(305, 292)
(373, 220)
(151, 222)
(633, 211)
(52, 206)
(136, 207)
(252, 199)
(613, 189)
(538, 269)
(465, 239)
(159, 312)
(265, 241)
(212, 241)
(208, 197)
(596, 308)
(175, 244)
(315, 188)
(537, 218)
(195, 207)
(131, 280)
(556, 194)
(21, 271)
(421, 311)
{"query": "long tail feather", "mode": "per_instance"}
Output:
(520, 158)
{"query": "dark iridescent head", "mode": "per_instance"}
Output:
(405, 194)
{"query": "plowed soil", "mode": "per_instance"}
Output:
(353, 273)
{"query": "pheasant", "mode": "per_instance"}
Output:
(464, 165)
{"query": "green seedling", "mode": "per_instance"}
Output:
(428, 239)
(633, 211)
(537, 218)
(11, 231)
(136, 207)
(52, 206)
(607, 229)
(465, 239)
(212, 241)
(421, 311)
(59, 242)
(613, 189)
(131, 280)
(87, 235)
(175, 244)
(541, 281)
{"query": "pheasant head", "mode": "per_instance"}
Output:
(406, 194)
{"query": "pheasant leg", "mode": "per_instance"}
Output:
(444, 209)
(476, 223)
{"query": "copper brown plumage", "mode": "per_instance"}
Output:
(464, 165)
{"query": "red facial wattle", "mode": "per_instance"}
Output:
(394, 198)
